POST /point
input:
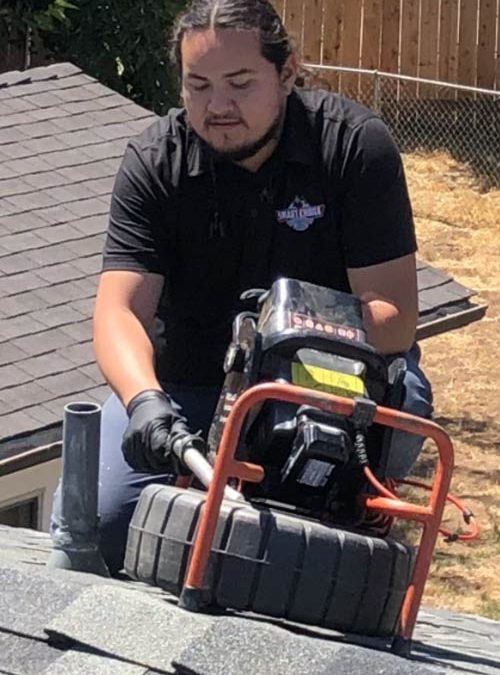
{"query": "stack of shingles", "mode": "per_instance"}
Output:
(62, 135)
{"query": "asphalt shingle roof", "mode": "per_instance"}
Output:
(62, 135)
(58, 621)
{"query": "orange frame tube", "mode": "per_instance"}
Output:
(226, 466)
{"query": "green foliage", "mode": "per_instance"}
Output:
(123, 43)
(18, 17)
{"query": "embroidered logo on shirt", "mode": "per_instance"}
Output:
(300, 215)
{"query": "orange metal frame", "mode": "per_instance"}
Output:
(227, 467)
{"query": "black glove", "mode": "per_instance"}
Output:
(154, 426)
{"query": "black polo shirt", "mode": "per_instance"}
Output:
(332, 196)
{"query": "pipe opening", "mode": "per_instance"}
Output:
(82, 407)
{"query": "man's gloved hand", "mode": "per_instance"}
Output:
(154, 426)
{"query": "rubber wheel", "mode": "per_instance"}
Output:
(271, 562)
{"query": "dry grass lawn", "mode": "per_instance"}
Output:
(458, 229)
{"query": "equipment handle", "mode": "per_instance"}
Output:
(201, 468)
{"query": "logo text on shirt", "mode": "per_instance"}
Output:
(300, 215)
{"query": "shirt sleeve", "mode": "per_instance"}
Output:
(135, 240)
(376, 216)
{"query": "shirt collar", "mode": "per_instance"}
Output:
(198, 155)
(296, 140)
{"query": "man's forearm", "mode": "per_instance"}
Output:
(124, 353)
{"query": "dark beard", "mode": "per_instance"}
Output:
(251, 149)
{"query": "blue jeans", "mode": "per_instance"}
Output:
(120, 486)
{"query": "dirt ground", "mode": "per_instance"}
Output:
(458, 230)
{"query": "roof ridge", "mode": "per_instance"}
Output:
(52, 71)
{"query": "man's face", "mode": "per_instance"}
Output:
(234, 97)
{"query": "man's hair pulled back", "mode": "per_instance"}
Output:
(245, 15)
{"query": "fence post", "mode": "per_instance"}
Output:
(377, 107)
(75, 538)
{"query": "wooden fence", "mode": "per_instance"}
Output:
(454, 41)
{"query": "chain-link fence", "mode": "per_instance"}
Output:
(424, 115)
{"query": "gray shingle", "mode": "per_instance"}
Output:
(5, 109)
(61, 272)
(16, 151)
(43, 342)
(10, 264)
(17, 326)
(66, 383)
(34, 200)
(60, 194)
(91, 225)
(22, 303)
(121, 622)
(85, 307)
(80, 355)
(75, 191)
(78, 332)
(16, 423)
(95, 90)
(108, 149)
(87, 245)
(50, 363)
(99, 394)
(11, 120)
(44, 417)
(55, 215)
(48, 255)
(23, 222)
(23, 241)
(17, 283)
(109, 102)
(7, 208)
(109, 132)
(82, 663)
(92, 370)
(14, 186)
(62, 158)
(45, 100)
(42, 114)
(60, 233)
(39, 129)
(90, 265)
(102, 186)
(57, 316)
(62, 293)
(80, 138)
(23, 396)
(10, 135)
(76, 122)
(11, 376)
(88, 284)
(86, 207)
(44, 145)
(46, 179)
(10, 353)
(17, 104)
(6, 172)
(21, 167)
(84, 172)
(137, 126)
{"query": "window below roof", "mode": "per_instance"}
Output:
(21, 514)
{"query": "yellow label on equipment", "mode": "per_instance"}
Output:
(330, 381)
